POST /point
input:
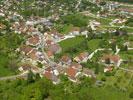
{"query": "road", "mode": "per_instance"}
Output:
(125, 4)
(65, 37)
(49, 61)
(92, 54)
(23, 75)
(130, 48)
(114, 26)
(124, 69)
(19, 76)
(78, 4)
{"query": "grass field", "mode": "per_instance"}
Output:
(108, 93)
(94, 44)
(64, 29)
(69, 43)
(126, 55)
(4, 71)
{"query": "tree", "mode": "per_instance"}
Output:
(107, 61)
(97, 69)
(124, 48)
(37, 76)
(113, 47)
(131, 95)
(103, 79)
(40, 65)
(30, 77)
(102, 3)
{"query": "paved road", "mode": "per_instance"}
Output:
(124, 69)
(65, 37)
(92, 54)
(130, 48)
(78, 4)
(23, 75)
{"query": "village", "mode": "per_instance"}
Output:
(40, 47)
(66, 49)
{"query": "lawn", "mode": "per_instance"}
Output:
(4, 71)
(104, 21)
(129, 30)
(76, 19)
(123, 1)
(72, 42)
(108, 93)
(122, 78)
(126, 55)
(94, 44)
(64, 29)
(119, 80)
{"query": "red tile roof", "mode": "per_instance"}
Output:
(49, 42)
(48, 74)
(114, 58)
(49, 53)
(83, 55)
(54, 48)
(126, 10)
(87, 71)
(34, 40)
(71, 72)
(65, 58)
(75, 29)
(33, 54)
(76, 66)
(26, 49)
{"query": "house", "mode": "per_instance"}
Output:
(33, 40)
(50, 74)
(108, 69)
(75, 31)
(120, 33)
(126, 10)
(111, 59)
(27, 67)
(66, 59)
(2, 26)
(49, 42)
(94, 24)
(119, 21)
(88, 73)
(115, 59)
(33, 55)
(55, 71)
(2, 14)
(60, 69)
(40, 55)
(85, 32)
(76, 66)
(25, 49)
(72, 73)
(53, 32)
(47, 36)
(24, 68)
(31, 29)
(54, 48)
(50, 54)
(82, 57)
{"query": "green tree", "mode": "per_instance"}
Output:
(30, 77)
(131, 95)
